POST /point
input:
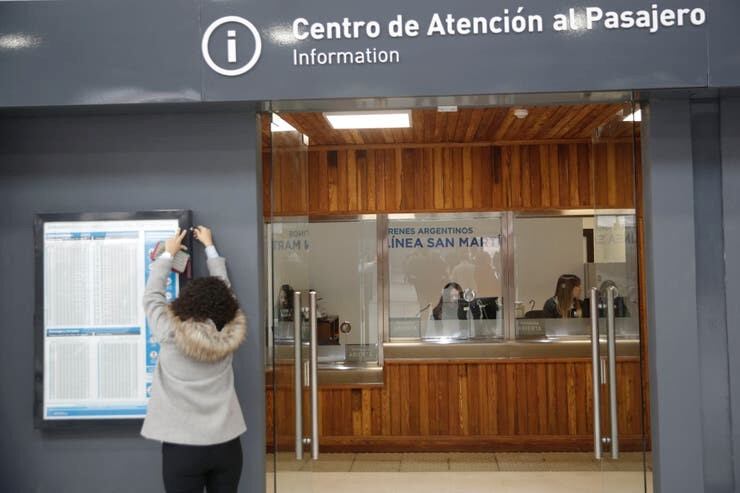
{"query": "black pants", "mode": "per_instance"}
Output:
(190, 468)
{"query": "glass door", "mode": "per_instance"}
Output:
(577, 284)
(330, 304)
(324, 303)
(291, 395)
(614, 294)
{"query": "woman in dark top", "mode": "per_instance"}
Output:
(449, 306)
(285, 303)
(567, 300)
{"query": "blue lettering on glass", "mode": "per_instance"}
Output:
(477, 242)
(441, 242)
(438, 237)
(405, 243)
(401, 231)
(294, 245)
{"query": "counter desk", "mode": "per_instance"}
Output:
(526, 395)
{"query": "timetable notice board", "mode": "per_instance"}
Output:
(97, 353)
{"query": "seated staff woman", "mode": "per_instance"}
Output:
(567, 300)
(449, 306)
(194, 410)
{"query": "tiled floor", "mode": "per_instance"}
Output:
(460, 473)
(461, 482)
(460, 462)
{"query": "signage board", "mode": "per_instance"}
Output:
(98, 356)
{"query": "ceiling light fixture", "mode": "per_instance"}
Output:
(280, 125)
(633, 117)
(369, 119)
(521, 113)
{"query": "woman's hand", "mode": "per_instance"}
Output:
(203, 235)
(174, 244)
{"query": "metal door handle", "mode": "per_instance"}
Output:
(595, 371)
(298, 380)
(612, 348)
(314, 377)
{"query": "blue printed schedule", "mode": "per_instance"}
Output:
(99, 355)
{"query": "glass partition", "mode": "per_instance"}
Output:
(557, 260)
(343, 270)
(338, 259)
(290, 254)
(445, 277)
(615, 264)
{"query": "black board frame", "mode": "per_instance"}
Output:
(185, 220)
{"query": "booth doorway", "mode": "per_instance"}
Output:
(415, 276)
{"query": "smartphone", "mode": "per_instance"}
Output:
(180, 262)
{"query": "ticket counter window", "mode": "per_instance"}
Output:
(554, 278)
(445, 277)
(337, 259)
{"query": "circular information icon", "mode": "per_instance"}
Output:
(207, 38)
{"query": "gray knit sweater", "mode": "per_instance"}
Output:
(193, 401)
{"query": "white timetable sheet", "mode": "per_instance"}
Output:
(98, 353)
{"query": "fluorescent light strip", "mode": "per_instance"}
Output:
(370, 119)
(280, 125)
(634, 117)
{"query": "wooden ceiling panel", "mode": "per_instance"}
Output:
(498, 117)
(499, 133)
(467, 125)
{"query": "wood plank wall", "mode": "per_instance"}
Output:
(534, 405)
(353, 180)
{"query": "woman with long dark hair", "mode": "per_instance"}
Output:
(285, 303)
(449, 305)
(567, 300)
(193, 409)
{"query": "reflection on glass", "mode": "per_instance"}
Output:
(290, 249)
(557, 262)
(285, 303)
(343, 269)
(338, 260)
(445, 277)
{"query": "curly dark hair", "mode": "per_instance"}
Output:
(206, 298)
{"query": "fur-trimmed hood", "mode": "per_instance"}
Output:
(203, 342)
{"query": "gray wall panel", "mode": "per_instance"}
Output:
(724, 57)
(710, 297)
(671, 278)
(206, 162)
(730, 132)
(87, 52)
(441, 65)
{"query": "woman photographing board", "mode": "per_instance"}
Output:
(193, 409)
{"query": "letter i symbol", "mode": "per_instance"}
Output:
(231, 46)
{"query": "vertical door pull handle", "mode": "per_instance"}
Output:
(596, 381)
(612, 348)
(314, 377)
(298, 379)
